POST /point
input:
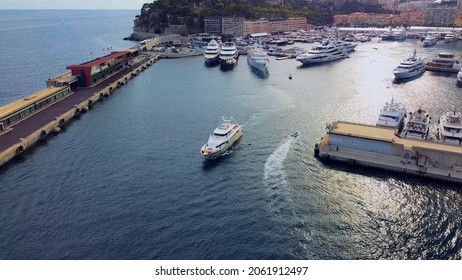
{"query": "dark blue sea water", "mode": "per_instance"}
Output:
(126, 180)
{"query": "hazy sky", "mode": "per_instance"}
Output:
(72, 4)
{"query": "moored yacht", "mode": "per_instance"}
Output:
(258, 58)
(399, 34)
(450, 37)
(459, 76)
(417, 125)
(345, 46)
(228, 54)
(445, 62)
(212, 52)
(327, 51)
(429, 41)
(392, 115)
(410, 67)
(222, 138)
(450, 128)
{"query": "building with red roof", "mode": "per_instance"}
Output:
(91, 72)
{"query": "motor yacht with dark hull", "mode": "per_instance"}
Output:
(228, 55)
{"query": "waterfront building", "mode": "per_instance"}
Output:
(232, 26)
(258, 26)
(364, 19)
(458, 19)
(212, 26)
(440, 16)
(21, 109)
(288, 25)
(412, 17)
(92, 72)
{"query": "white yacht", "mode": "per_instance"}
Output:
(327, 51)
(445, 62)
(212, 52)
(223, 137)
(459, 76)
(285, 52)
(228, 54)
(410, 67)
(399, 34)
(417, 125)
(450, 37)
(396, 34)
(429, 41)
(258, 58)
(345, 46)
(387, 35)
(392, 115)
(450, 128)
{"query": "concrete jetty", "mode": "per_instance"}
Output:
(379, 147)
(22, 135)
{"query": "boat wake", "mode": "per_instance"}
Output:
(275, 175)
(253, 120)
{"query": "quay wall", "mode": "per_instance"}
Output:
(369, 145)
(353, 158)
(437, 163)
(53, 127)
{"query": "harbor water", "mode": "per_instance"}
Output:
(126, 180)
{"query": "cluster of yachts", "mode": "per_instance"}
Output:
(443, 62)
(227, 55)
(416, 125)
(332, 49)
(431, 39)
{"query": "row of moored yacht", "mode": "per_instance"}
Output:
(414, 65)
(416, 125)
(227, 55)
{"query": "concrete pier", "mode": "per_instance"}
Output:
(378, 147)
(23, 135)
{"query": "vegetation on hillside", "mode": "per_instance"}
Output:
(159, 14)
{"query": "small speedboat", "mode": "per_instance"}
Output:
(295, 134)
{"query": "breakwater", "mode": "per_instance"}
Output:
(49, 120)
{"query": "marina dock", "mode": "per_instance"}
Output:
(26, 121)
(379, 147)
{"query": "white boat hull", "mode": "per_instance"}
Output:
(258, 64)
(407, 75)
(211, 153)
(317, 60)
